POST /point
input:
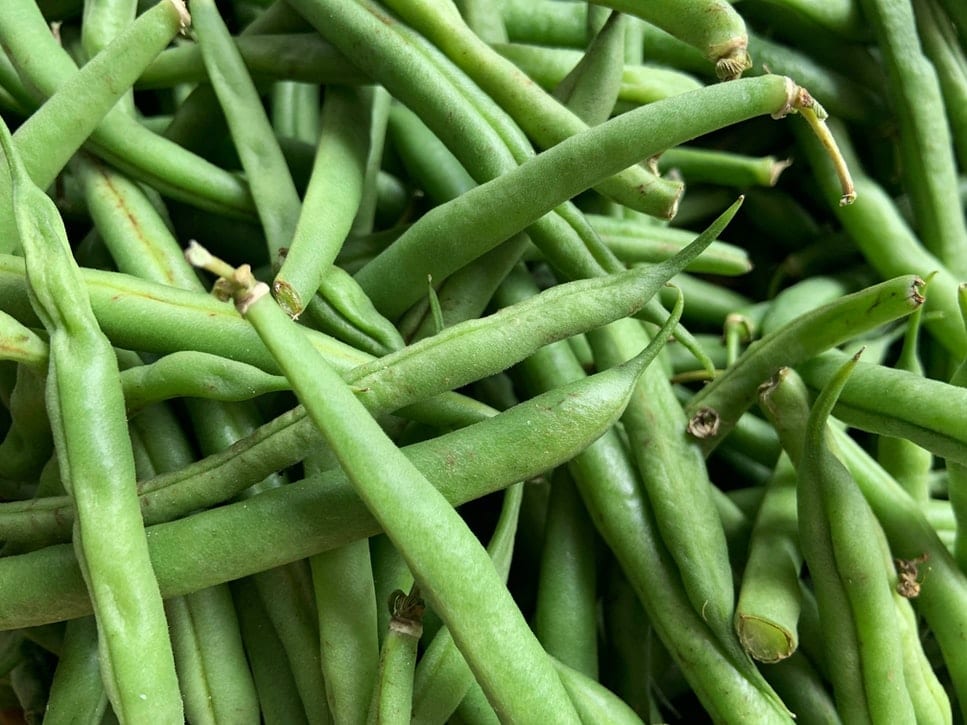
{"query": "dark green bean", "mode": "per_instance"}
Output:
(77, 692)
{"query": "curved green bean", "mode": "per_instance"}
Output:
(86, 408)
(712, 26)
(714, 410)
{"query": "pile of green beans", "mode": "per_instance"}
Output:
(477, 361)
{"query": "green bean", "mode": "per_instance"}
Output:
(803, 690)
(957, 473)
(634, 243)
(131, 227)
(28, 443)
(943, 593)
(566, 609)
(626, 523)
(273, 190)
(77, 692)
(950, 61)
(346, 605)
(278, 697)
(431, 536)
(331, 200)
(595, 703)
(712, 26)
(842, 545)
(714, 410)
(302, 57)
(538, 114)
(591, 88)
(103, 21)
(802, 298)
(925, 411)
(295, 110)
(86, 409)
(929, 174)
(552, 177)
(211, 664)
(930, 700)
(118, 138)
(442, 677)
(545, 23)
(392, 700)
(767, 612)
(474, 709)
(720, 167)
(195, 374)
(903, 459)
(640, 84)
(483, 17)
(51, 135)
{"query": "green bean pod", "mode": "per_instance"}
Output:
(640, 84)
(273, 190)
(714, 410)
(767, 612)
(890, 247)
(77, 692)
(925, 411)
(494, 211)
(331, 199)
(565, 616)
(929, 171)
(392, 700)
(345, 601)
(591, 88)
(422, 524)
(712, 26)
(442, 676)
(850, 568)
(86, 408)
(538, 114)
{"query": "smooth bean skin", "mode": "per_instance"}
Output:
(77, 692)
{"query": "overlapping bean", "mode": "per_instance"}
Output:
(551, 274)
